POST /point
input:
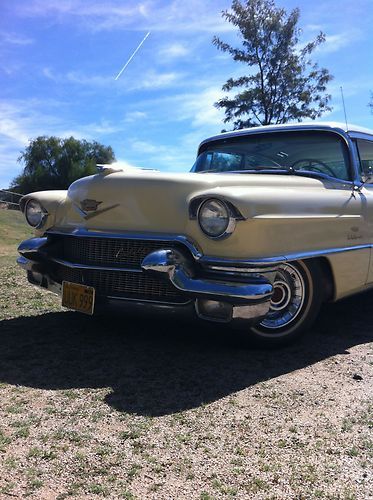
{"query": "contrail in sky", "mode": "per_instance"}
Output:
(133, 55)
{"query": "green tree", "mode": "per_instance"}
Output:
(282, 83)
(54, 163)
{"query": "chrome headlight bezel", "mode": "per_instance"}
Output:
(230, 221)
(38, 218)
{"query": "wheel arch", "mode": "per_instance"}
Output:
(329, 285)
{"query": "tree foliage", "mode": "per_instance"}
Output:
(54, 163)
(282, 83)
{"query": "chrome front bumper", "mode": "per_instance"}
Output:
(224, 296)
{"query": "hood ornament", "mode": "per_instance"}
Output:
(107, 169)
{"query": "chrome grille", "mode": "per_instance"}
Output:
(112, 252)
(133, 285)
(118, 253)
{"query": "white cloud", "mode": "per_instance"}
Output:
(134, 116)
(149, 80)
(153, 80)
(175, 16)
(146, 147)
(15, 38)
(334, 43)
(173, 51)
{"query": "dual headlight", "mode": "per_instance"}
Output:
(35, 214)
(215, 218)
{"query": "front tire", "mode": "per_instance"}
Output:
(295, 304)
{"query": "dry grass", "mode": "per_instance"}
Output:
(136, 408)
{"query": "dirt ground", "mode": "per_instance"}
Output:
(141, 408)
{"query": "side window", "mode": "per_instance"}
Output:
(365, 149)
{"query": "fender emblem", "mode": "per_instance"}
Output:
(89, 208)
(89, 205)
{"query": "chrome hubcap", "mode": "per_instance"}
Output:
(287, 299)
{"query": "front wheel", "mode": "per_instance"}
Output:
(295, 303)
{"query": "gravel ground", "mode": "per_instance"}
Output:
(141, 408)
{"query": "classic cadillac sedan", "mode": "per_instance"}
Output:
(270, 223)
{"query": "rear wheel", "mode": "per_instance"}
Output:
(296, 301)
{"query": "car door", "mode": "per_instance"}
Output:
(365, 156)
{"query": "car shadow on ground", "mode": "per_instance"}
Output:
(160, 367)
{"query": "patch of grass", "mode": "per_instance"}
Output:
(4, 441)
(7, 489)
(353, 452)
(36, 452)
(133, 471)
(70, 435)
(70, 394)
(132, 434)
(224, 489)
(13, 229)
(11, 462)
(348, 423)
(256, 484)
(127, 495)
(98, 489)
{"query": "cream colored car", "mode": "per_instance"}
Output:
(270, 223)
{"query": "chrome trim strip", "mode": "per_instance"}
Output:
(361, 135)
(72, 265)
(166, 237)
(280, 259)
(243, 270)
(274, 129)
(145, 301)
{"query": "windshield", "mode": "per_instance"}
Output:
(321, 153)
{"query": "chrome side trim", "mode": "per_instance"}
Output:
(243, 270)
(256, 265)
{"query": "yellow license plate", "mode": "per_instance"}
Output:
(78, 297)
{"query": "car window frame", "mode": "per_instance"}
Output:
(344, 137)
(360, 166)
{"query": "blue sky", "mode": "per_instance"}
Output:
(59, 59)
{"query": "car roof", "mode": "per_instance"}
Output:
(352, 130)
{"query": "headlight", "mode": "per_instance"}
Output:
(35, 213)
(215, 219)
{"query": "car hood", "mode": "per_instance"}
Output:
(158, 202)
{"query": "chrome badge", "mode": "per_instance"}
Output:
(89, 205)
(89, 208)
